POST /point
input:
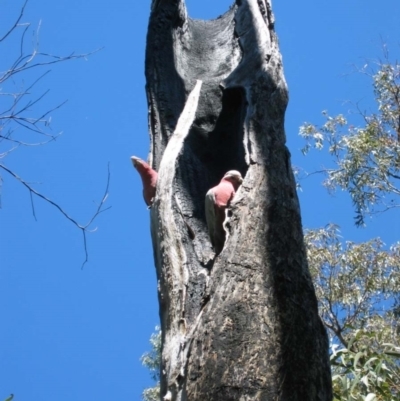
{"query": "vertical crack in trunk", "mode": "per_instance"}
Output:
(171, 255)
(243, 325)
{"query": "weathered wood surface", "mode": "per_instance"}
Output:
(243, 325)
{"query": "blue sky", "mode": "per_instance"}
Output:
(72, 334)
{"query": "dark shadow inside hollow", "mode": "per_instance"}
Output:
(211, 13)
(222, 148)
(226, 141)
(214, 146)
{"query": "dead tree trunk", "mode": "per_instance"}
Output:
(242, 325)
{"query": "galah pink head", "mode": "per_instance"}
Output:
(234, 177)
(139, 164)
(149, 179)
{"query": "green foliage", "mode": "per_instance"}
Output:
(367, 157)
(358, 288)
(152, 393)
(151, 360)
(10, 397)
(366, 373)
(358, 285)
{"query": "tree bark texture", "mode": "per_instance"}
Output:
(241, 325)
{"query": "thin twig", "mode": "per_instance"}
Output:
(21, 104)
(16, 22)
(98, 211)
(33, 205)
(6, 153)
(23, 182)
(21, 143)
(85, 227)
(49, 111)
(26, 92)
(26, 66)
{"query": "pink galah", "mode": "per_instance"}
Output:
(217, 200)
(149, 179)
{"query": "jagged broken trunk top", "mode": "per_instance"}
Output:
(242, 325)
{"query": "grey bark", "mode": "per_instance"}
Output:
(242, 325)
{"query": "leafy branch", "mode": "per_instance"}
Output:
(366, 157)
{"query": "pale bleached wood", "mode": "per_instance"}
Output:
(168, 239)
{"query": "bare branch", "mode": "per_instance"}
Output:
(26, 92)
(33, 206)
(98, 211)
(4, 154)
(58, 59)
(16, 22)
(19, 109)
(84, 228)
(21, 143)
(393, 175)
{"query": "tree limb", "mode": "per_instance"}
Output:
(83, 227)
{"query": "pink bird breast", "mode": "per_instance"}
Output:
(216, 202)
(223, 193)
